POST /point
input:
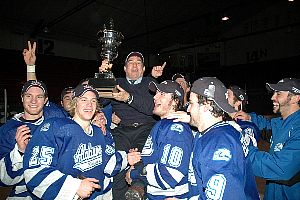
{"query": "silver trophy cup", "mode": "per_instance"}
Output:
(109, 39)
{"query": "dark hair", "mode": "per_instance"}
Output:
(83, 80)
(179, 103)
(239, 95)
(65, 91)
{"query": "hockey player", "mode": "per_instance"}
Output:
(220, 168)
(167, 151)
(66, 98)
(238, 99)
(184, 82)
(68, 158)
(15, 134)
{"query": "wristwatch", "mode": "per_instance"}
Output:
(129, 99)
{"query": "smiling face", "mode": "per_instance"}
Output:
(134, 68)
(86, 106)
(163, 104)
(33, 102)
(281, 103)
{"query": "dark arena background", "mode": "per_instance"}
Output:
(259, 43)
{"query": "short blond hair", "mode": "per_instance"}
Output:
(74, 104)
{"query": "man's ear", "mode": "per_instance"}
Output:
(238, 103)
(207, 107)
(144, 68)
(124, 68)
(295, 98)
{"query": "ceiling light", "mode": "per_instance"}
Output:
(225, 18)
(46, 29)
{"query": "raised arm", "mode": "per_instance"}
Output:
(30, 58)
(158, 70)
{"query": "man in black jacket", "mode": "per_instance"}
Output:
(133, 104)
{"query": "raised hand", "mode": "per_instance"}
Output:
(122, 95)
(105, 66)
(22, 137)
(242, 115)
(133, 156)
(29, 54)
(158, 70)
(180, 116)
(115, 118)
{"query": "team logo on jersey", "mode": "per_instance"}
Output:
(177, 127)
(87, 157)
(45, 127)
(222, 154)
(148, 147)
(109, 150)
(278, 147)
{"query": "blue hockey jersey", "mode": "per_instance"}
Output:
(166, 155)
(283, 160)
(220, 168)
(60, 152)
(12, 168)
(12, 160)
(250, 131)
(52, 110)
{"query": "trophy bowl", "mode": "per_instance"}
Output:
(110, 40)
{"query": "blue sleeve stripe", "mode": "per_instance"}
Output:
(46, 183)
(5, 178)
(116, 163)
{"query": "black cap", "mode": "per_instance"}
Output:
(213, 89)
(34, 83)
(178, 75)
(81, 89)
(135, 53)
(239, 93)
(167, 86)
(287, 84)
(65, 91)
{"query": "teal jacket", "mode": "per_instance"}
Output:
(280, 166)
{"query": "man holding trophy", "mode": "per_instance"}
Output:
(133, 104)
(131, 101)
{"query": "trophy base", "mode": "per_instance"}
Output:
(105, 86)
